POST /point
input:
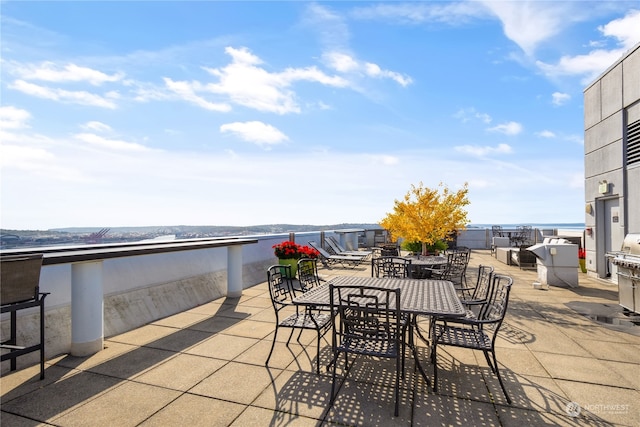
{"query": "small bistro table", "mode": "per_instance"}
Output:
(421, 265)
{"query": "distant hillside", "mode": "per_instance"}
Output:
(207, 229)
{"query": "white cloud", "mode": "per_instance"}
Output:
(13, 118)
(509, 128)
(248, 85)
(384, 159)
(110, 144)
(546, 134)
(50, 72)
(467, 114)
(187, 91)
(478, 151)
(558, 98)
(74, 97)
(96, 126)
(528, 23)
(625, 31)
(256, 132)
(416, 13)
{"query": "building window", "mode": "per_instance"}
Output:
(633, 143)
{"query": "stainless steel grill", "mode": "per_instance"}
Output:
(628, 263)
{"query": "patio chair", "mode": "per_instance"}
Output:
(522, 235)
(391, 266)
(335, 248)
(281, 292)
(328, 259)
(496, 231)
(369, 324)
(476, 334)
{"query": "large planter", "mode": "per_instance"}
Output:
(293, 262)
(583, 267)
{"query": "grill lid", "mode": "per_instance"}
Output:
(631, 244)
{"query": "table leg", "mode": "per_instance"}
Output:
(414, 348)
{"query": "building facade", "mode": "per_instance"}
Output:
(612, 161)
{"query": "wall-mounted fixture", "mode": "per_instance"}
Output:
(603, 187)
(589, 231)
(588, 208)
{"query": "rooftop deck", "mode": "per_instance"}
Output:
(205, 366)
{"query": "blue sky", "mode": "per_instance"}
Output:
(242, 113)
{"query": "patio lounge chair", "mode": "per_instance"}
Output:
(335, 247)
(328, 259)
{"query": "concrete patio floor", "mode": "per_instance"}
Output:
(205, 367)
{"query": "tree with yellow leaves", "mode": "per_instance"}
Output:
(427, 215)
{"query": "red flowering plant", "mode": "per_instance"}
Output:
(291, 250)
(582, 253)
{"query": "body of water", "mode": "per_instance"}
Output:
(574, 226)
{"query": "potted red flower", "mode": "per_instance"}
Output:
(582, 254)
(289, 253)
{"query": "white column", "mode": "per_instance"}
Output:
(87, 308)
(234, 271)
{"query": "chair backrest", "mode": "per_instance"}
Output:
(333, 242)
(19, 278)
(389, 250)
(323, 252)
(494, 311)
(484, 284)
(366, 313)
(331, 247)
(391, 266)
(308, 274)
(497, 231)
(280, 285)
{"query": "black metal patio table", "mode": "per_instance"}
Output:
(417, 297)
(422, 265)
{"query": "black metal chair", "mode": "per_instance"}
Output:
(476, 334)
(390, 266)
(496, 231)
(308, 274)
(19, 290)
(281, 292)
(369, 323)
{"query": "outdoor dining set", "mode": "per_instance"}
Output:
(406, 299)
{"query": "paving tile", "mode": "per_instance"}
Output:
(110, 351)
(181, 320)
(188, 410)
(64, 395)
(621, 352)
(24, 381)
(253, 416)
(251, 329)
(236, 382)
(436, 410)
(133, 363)
(581, 369)
(281, 357)
(143, 335)
(215, 324)
(601, 405)
(222, 346)
(362, 404)
(116, 407)
(181, 372)
(297, 392)
(180, 340)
